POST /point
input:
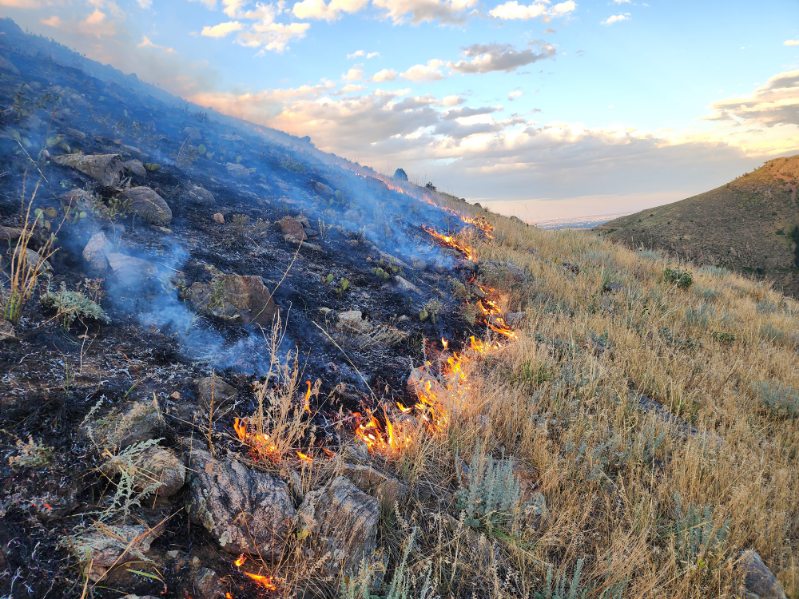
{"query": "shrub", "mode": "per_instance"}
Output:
(695, 533)
(681, 278)
(492, 495)
(431, 310)
(780, 399)
(723, 337)
(72, 305)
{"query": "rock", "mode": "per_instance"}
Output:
(7, 331)
(292, 228)
(322, 189)
(238, 170)
(245, 510)
(405, 285)
(207, 584)
(386, 488)
(128, 269)
(612, 287)
(155, 466)
(535, 510)
(135, 167)
(238, 298)
(503, 275)
(124, 426)
(400, 174)
(106, 169)
(9, 233)
(759, 581)
(352, 321)
(341, 521)
(113, 546)
(212, 390)
(196, 194)
(95, 252)
(219, 218)
(148, 205)
(32, 257)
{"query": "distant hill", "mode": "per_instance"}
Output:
(750, 225)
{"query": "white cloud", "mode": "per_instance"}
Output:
(232, 8)
(318, 9)
(430, 71)
(145, 4)
(619, 2)
(485, 58)
(384, 75)
(353, 74)
(790, 43)
(515, 94)
(272, 36)
(362, 54)
(513, 10)
(620, 18)
(419, 11)
(222, 29)
(774, 103)
(146, 42)
(54, 21)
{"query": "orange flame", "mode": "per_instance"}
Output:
(307, 401)
(260, 444)
(266, 582)
(450, 241)
(304, 457)
(240, 560)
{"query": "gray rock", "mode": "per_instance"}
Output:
(759, 581)
(106, 169)
(32, 258)
(128, 269)
(207, 584)
(212, 390)
(341, 521)
(405, 285)
(245, 510)
(196, 194)
(7, 331)
(156, 469)
(135, 167)
(9, 233)
(112, 547)
(386, 488)
(238, 298)
(219, 218)
(148, 205)
(292, 228)
(96, 252)
(126, 425)
(352, 321)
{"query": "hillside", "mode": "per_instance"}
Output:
(234, 366)
(750, 225)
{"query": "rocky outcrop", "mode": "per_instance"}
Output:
(759, 581)
(148, 205)
(341, 522)
(237, 298)
(245, 510)
(106, 169)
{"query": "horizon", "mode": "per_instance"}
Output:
(546, 111)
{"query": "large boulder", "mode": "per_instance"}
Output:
(106, 169)
(245, 510)
(148, 205)
(759, 581)
(237, 298)
(341, 522)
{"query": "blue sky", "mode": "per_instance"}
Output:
(543, 108)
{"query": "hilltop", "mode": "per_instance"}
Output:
(234, 366)
(749, 225)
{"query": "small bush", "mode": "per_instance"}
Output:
(780, 399)
(696, 536)
(72, 305)
(380, 273)
(723, 337)
(31, 454)
(431, 310)
(717, 272)
(491, 497)
(681, 278)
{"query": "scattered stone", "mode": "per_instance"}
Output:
(352, 321)
(237, 298)
(212, 390)
(106, 169)
(207, 584)
(196, 194)
(7, 331)
(759, 581)
(113, 546)
(129, 270)
(245, 510)
(238, 170)
(386, 488)
(9, 233)
(135, 167)
(341, 521)
(219, 218)
(126, 425)
(148, 205)
(292, 229)
(405, 285)
(95, 252)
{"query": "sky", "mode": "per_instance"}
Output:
(545, 109)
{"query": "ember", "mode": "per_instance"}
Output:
(260, 444)
(450, 241)
(267, 582)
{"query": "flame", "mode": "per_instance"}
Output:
(260, 444)
(240, 560)
(389, 439)
(450, 241)
(266, 582)
(307, 400)
(304, 457)
(480, 222)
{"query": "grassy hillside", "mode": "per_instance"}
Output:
(750, 225)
